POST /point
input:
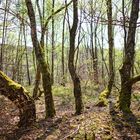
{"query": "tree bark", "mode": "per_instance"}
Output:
(44, 68)
(37, 82)
(44, 28)
(26, 53)
(111, 46)
(95, 60)
(3, 36)
(72, 70)
(125, 71)
(19, 96)
(52, 43)
(63, 50)
(106, 93)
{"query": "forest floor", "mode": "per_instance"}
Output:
(96, 123)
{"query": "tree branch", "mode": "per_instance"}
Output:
(56, 12)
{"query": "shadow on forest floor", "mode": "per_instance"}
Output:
(15, 134)
(126, 125)
(105, 123)
(47, 128)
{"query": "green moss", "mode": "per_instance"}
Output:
(64, 94)
(104, 94)
(103, 98)
(11, 83)
(124, 103)
(61, 91)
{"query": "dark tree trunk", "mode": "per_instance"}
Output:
(95, 60)
(3, 36)
(26, 53)
(38, 72)
(37, 82)
(19, 96)
(63, 50)
(111, 47)
(72, 70)
(102, 54)
(53, 47)
(44, 67)
(126, 70)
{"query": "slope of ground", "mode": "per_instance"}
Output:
(95, 123)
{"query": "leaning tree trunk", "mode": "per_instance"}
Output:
(74, 76)
(125, 71)
(19, 96)
(44, 67)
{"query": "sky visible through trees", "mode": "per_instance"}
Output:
(100, 13)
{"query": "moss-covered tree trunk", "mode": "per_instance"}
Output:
(19, 96)
(105, 94)
(44, 67)
(125, 71)
(75, 78)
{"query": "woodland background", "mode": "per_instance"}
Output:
(77, 65)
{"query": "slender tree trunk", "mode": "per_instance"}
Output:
(16, 63)
(40, 56)
(91, 37)
(111, 46)
(102, 54)
(26, 53)
(53, 48)
(72, 70)
(124, 23)
(125, 71)
(63, 49)
(37, 82)
(94, 46)
(20, 58)
(38, 72)
(3, 37)
(95, 60)
(106, 93)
